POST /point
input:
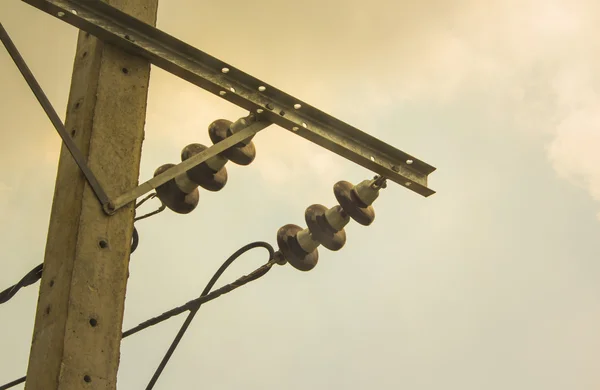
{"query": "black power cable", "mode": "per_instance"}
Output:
(30, 278)
(36, 274)
(193, 305)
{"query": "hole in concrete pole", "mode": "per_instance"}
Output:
(93, 322)
(87, 378)
(103, 244)
(125, 70)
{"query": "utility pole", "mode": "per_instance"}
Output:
(79, 316)
(78, 325)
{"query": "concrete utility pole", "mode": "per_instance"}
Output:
(79, 315)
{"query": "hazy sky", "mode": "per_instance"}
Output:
(492, 283)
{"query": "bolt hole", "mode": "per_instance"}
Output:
(103, 244)
(93, 322)
(295, 128)
(48, 310)
(259, 110)
(128, 37)
(51, 283)
(77, 105)
(84, 54)
(304, 125)
(60, 14)
(262, 88)
(73, 132)
(270, 106)
(297, 106)
(87, 378)
(125, 70)
(225, 70)
(222, 93)
(282, 113)
(409, 162)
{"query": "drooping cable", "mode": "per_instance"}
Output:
(193, 305)
(35, 274)
(30, 278)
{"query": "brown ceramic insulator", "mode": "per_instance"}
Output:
(240, 154)
(321, 230)
(202, 174)
(352, 205)
(173, 197)
(294, 254)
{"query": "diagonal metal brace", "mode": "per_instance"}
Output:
(53, 116)
(115, 27)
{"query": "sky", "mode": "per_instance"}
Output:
(490, 283)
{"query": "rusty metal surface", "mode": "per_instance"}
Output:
(237, 87)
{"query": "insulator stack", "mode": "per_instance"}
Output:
(181, 193)
(326, 226)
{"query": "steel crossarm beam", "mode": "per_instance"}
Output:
(237, 87)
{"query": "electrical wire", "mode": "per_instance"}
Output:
(13, 383)
(36, 274)
(194, 305)
(30, 278)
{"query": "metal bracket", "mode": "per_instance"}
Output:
(184, 166)
(130, 34)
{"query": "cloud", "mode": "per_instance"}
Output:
(534, 61)
(531, 61)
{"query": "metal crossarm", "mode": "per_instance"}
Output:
(130, 34)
